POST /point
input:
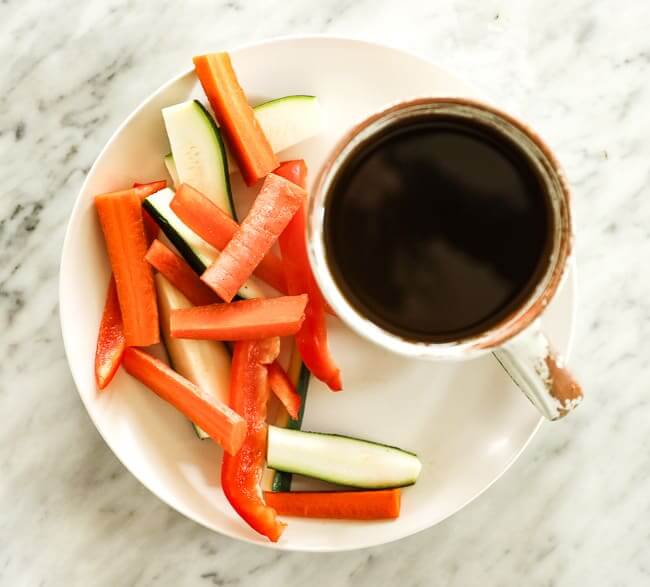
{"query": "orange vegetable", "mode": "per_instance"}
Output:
(180, 274)
(235, 116)
(275, 205)
(341, 505)
(224, 425)
(120, 215)
(110, 342)
(216, 227)
(285, 391)
(244, 320)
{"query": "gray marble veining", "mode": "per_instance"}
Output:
(574, 509)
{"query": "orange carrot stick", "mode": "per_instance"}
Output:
(225, 426)
(120, 215)
(235, 116)
(244, 320)
(275, 205)
(216, 227)
(341, 505)
(285, 391)
(180, 274)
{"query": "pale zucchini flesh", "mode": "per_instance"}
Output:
(170, 165)
(341, 459)
(285, 121)
(206, 363)
(199, 154)
(289, 120)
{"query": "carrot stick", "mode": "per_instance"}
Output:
(235, 116)
(110, 341)
(275, 205)
(244, 320)
(216, 227)
(344, 505)
(222, 423)
(180, 274)
(120, 215)
(285, 391)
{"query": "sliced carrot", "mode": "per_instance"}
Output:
(110, 342)
(244, 320)
(285, 391)
(311, 340)
(223, 424)
(235, 116)
(120, 215)
(275, 205)
(340, 505)
(216, 227)
(180, 274)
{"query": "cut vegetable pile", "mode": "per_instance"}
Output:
(216, 291)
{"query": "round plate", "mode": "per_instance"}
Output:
(466, 421)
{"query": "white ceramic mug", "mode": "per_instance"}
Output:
(517, 341)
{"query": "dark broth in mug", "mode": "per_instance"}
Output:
(437, 229)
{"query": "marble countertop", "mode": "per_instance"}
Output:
(573, 510)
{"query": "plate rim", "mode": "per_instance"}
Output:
(63, 318)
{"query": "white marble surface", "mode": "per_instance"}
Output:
(574, 510)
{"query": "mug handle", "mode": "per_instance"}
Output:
(539, 372)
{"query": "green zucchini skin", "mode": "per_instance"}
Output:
(341, 459)
(282, 479)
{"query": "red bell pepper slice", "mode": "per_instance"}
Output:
(144, 190)
(216, 227)
(274, 206)
(311, 339)
(244, 320)
(180, 274)
(284, 389)
(120, 215)
(225, 426)
(235, 116)
(110, 342)
(241, 474)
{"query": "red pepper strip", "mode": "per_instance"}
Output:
(224, 425)
(311, 339)
(110, 342)
(381, 504)
(180, 274)
(144, 190)
(241, 474)
(285, 391)
(273, 208)
(216, 227)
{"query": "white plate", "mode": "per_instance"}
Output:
(466, 421)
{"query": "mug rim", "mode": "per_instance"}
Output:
(536, 300)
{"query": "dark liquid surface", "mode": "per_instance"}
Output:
(437, 230)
